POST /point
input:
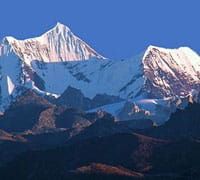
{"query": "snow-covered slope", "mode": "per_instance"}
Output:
(120, 78)
(58, 59)
(171, 72)
(57, 45)
(157, 110)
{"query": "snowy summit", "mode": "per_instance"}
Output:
(57, 45)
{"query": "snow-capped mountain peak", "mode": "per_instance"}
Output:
(61, 26)
(56, 45)
(18, 57)
(171, 72)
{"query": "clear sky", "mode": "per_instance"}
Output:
(115, 28)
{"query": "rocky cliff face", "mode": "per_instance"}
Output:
(171, 72)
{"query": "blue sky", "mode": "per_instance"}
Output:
(115, 28)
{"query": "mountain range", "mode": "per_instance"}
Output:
(67, 112)
(59, 65)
